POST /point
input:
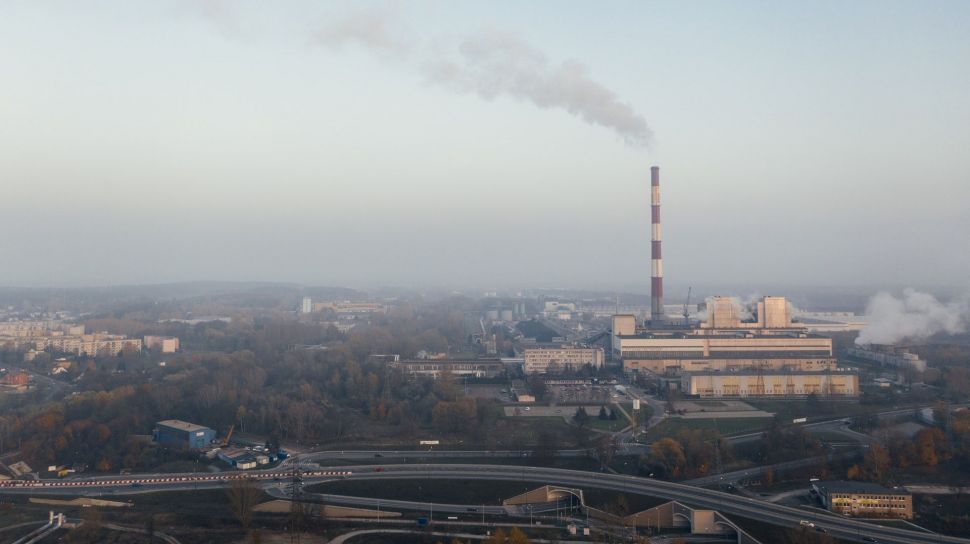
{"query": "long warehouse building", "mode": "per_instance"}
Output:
(837, 383)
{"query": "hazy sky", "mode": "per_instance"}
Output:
(489, 143)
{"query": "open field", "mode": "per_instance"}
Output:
(726, 426)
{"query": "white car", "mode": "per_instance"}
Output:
(806, 523)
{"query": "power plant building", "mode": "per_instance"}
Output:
(726, 340)
(793, 383)
(731, 349)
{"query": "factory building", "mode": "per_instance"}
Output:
(726, 340)
(553, 360)
(182, 434)
(864, 499)
(728, 313)
(432, 368)
(826, 383)
(889, 356)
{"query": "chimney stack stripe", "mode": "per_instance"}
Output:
(656, 263)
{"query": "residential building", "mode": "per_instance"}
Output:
(350, 308)
(162, 344)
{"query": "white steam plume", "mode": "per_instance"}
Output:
(914, 316)
(492, 64)
(375, 29)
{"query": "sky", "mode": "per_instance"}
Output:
(484, 143)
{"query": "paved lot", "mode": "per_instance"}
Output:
(588, 394)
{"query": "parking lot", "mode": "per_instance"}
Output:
(581, 394)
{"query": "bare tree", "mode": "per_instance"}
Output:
(243, 496)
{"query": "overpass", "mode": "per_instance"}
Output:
(837, 526)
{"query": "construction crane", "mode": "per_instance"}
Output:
(225, 441)
(686, 311)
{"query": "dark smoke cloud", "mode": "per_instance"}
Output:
(493, 64)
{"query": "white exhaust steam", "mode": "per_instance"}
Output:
(914, 316)
(492, 64)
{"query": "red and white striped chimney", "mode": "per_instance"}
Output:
(656, 260)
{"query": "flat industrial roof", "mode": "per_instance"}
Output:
(841, 486)
(768, 372)
(183, 425)
(702, 334)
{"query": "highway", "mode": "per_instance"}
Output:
(838, 526)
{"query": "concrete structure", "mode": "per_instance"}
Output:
(306, 306)
(182, 434)
(832, 321)
(730, 338)
(56, 336)
(826, 383)
(656, 259)
(556, 306)
(162, 344)
(89, 345)
(889, 356)
(729, 313)
(552, 360)
(432, 368)
(347, 308)
(864, 499)
(672, 515)
(240, 458)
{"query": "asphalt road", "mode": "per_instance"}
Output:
(838, 526)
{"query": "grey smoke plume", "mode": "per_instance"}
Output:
(493, 64)
(914, 316)
(375, 29)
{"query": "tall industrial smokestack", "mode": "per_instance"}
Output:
(656, 260)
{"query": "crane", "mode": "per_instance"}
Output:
(225, 441)
(686, 305)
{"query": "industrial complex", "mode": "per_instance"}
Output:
(730, 349)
